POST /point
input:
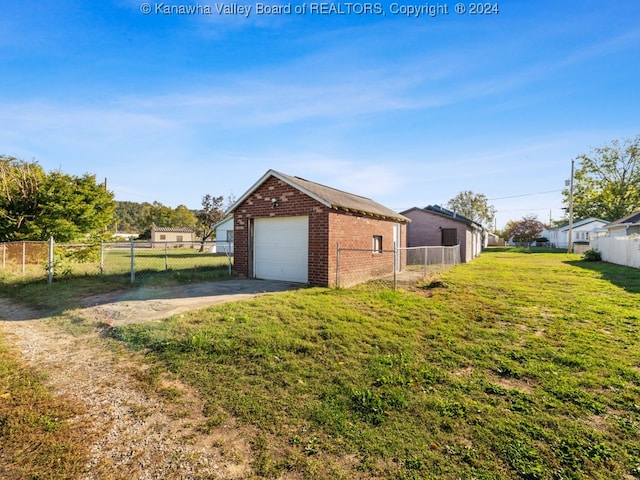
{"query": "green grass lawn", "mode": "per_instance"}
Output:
(159, 259)
(521, 364)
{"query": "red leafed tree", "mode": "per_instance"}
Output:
(525, 230)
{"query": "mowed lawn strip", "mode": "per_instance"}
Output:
(518, 365)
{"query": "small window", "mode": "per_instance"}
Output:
(449, 237)
(230, 236)
(377, 244)
(179, 238)
(163, 237)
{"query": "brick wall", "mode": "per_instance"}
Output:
(326, 228)
(352, 231)
(291, 202)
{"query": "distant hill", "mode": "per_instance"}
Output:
(134, 217)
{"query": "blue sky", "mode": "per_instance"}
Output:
(408, 111)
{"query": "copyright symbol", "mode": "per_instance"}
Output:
(145, 8)
(460, 8)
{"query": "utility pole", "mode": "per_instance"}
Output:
(570, 246)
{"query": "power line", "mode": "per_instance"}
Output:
(525, 195)
(531, 210)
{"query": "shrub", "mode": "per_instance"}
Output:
(592, 256)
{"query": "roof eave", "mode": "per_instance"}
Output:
(400, 218)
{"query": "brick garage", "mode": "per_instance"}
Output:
(288, 228)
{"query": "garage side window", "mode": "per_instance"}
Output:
(377, 244)
(449, 237)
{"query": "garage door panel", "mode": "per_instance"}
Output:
(281, 248)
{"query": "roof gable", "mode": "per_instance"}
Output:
(329, 197)
(226, 219)
(629, 219)
(581, 223)
(443, 212)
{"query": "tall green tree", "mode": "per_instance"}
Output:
(607, 181)
(181, 216)
(20, 182)
(157, 214)
(73, 206)
(35, 205)
(474, 206)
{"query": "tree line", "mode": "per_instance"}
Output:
(35, 205)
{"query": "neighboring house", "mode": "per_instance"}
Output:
(624, 226)
(437, 226)
(177, 236)
(619, 241)
(224, 235)
(582, 231)
(289, 228)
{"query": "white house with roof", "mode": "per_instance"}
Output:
(624, 226)
(582, 232)
(619, 241)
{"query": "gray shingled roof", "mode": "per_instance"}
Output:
(438, 210)
(632, 218)
(173, 229)
(331, 197)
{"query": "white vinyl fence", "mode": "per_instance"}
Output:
(619, 250)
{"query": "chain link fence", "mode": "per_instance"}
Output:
(355, 265)
(430, 260)
(24, 258)
(130, 259)
(405, 265)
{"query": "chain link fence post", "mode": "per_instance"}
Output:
(337, 264)
(166, 258)
(101, 258)
(395, 266)
(133, 262)
(51, 259)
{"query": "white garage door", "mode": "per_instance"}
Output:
(281, 248)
